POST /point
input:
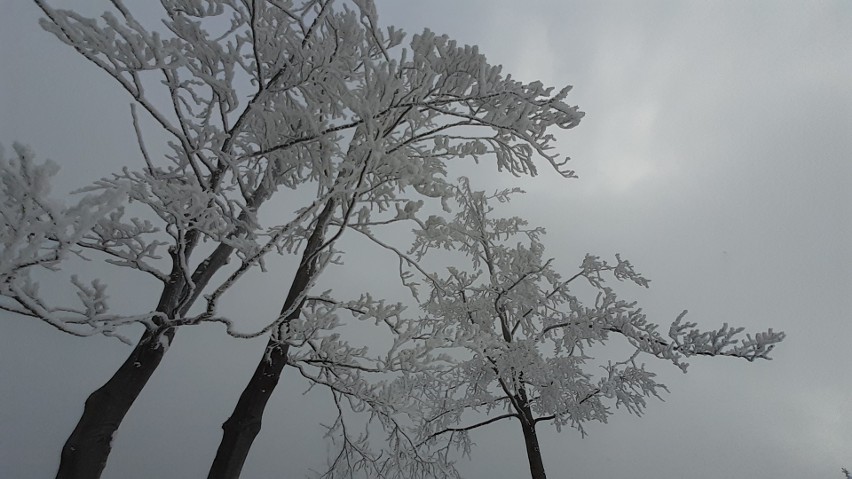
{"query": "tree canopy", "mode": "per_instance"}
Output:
(284, 125)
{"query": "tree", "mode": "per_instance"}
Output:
(524, 339)
(430, 103)
(255, 98)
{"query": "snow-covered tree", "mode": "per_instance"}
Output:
(255, 98)
(524, 338)
(425, 104)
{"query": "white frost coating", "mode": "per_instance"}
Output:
(164, 342)
(520, 336)
(336, 104)
(41, 232)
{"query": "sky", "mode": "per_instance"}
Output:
(714, 155)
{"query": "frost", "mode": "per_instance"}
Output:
(164, 342)
(521, 339)
(40, 233)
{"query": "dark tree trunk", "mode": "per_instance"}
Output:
(240, 430)
(533, 451)
(86, 450)
(243, 426)
(527, 419)
(85, 453)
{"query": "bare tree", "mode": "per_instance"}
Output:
(253, 98)
(524, 339)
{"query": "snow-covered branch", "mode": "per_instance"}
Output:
(40, 233)
(521, 338)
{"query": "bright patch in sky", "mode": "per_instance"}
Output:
(624, 173)
(630, 159)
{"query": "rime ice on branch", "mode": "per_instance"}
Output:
(255, 98)
(39, 232)
(523, 336)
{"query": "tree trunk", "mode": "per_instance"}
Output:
(243, 426)
(85, 453)
(240, 430)
(527, 419)
(533, 451)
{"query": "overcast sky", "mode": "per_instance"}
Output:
(716, 155)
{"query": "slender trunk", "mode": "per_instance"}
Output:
(527, 419)
(85, 453)
(533, 450)
(243, 426)
(240, 430)
(520, 399)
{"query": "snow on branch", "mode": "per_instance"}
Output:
(371, 431)
(522, 340)
(335, 103)
(40, 233)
